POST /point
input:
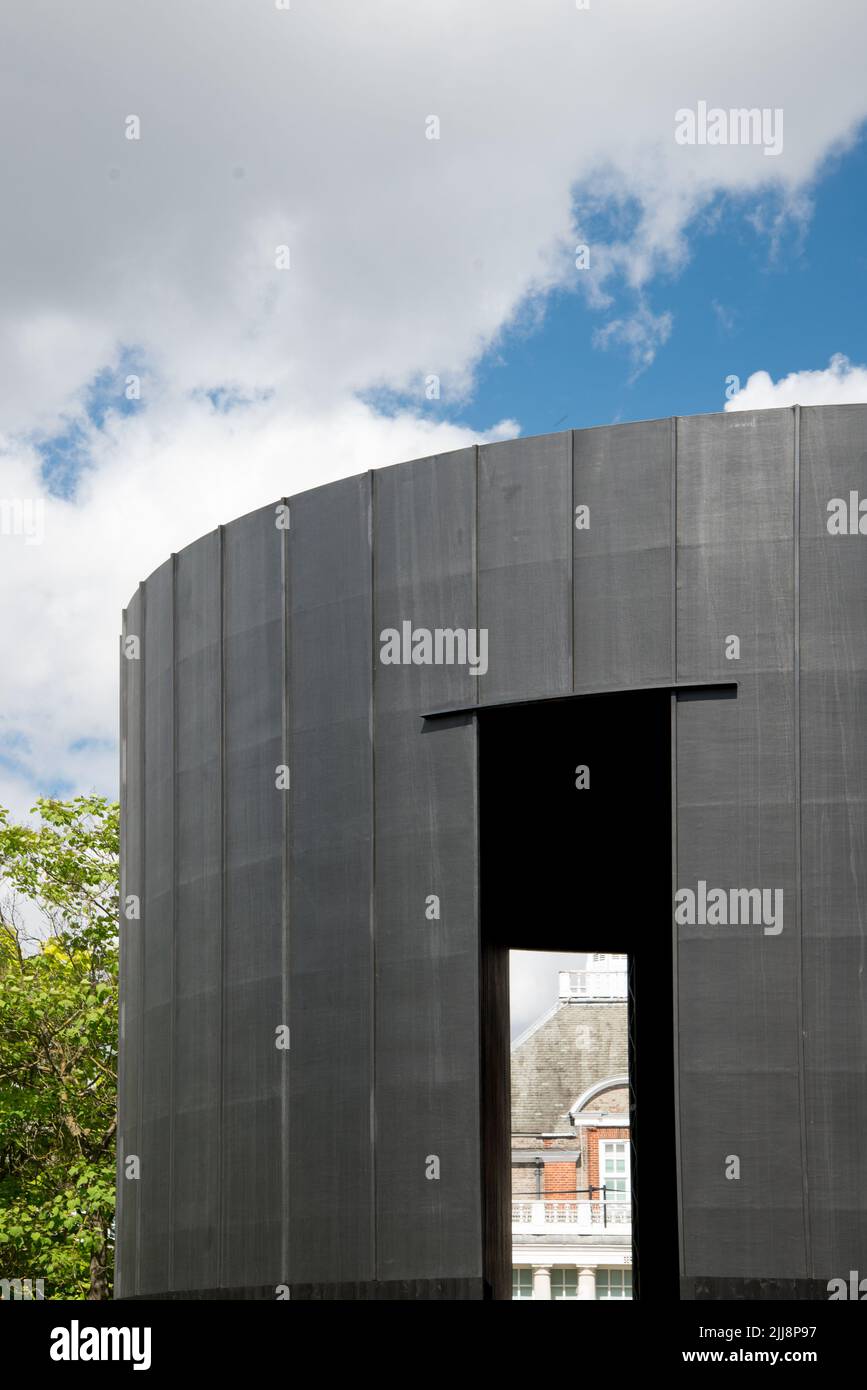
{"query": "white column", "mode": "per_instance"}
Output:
(587, 1283)
(541, 1282)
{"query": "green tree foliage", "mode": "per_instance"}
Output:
(58, 1046)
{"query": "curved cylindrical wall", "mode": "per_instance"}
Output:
(294, 1045)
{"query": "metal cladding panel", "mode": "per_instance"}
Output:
(735, 550)
(198, 883)
(157, 935)
(736, 778)
(253, 1065)
(624, 476)
(834, 831)
(346, 905)
(330, 953)
(131, 974)
(428, 1155)
(525, 566)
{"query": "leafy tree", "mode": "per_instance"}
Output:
(58, 1046)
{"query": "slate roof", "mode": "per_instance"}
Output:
(575, 1045)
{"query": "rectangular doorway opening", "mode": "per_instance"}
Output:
(576, 863)
(571, 1185)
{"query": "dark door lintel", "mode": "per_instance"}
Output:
(723, 690)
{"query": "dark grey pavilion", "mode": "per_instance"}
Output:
(300, 1037)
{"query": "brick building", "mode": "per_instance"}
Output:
(571, 1203)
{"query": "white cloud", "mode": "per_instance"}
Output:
(726, 318)
(534, 983)
(642, 334)
(262, 127)
(407, 255)
(157, 482)
(840, 383)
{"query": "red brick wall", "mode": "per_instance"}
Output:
(593, 1137)
(561, 1178)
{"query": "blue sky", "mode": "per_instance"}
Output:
(261, 377)
(743, 301)
(740, 305)
(308, 128)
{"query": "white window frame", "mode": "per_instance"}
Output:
(626, 1195)
(563, 1269)
(608, 1270)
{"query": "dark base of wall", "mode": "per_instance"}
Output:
(405, 1290)
(402, 1289)
(476, 1290)
(755, 1290)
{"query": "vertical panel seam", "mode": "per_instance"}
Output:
(802, 1049)
(482, 1082)
(371, 541)
(221, 1221)
(142, 961)
(675, 943)
(480, 1079)
(572, 436)
(475, 560)
(174, 921)
(122, 945)
(285, 992)
(480, 697)
(673, 542)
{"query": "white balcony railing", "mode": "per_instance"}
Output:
(593, 984)
(546, 1216)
